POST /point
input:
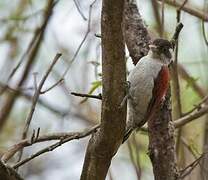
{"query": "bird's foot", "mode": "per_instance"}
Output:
(127, 87)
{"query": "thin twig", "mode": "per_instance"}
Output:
(37, 94)
(190, 80)
(48, 137)
(177, 32)
(163, 17)
(190, 117)
(190, 149)
(53, 86)
(62, 140)
(204, 33)
(177, 109)
(10, 99)
(193, 11)
(83, 40)
(79, 10)
(188, 169)
(198, 106)
(99, 96)
(182, 5)
(29, 97)
(157, 17)
(36, 97)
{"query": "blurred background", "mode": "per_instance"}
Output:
(72, 30)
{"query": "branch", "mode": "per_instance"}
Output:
(188, 169)
(99, 96)
(198, 106)
(37, 94)
(161, 137)
(104, 144)
(79, 10)
(177, 32)
(36, 97)
(162, 144)
(83, 40)
(190, 117)
(77, 135)
(49, 137)
(195, 12)
(8, 173)
(38, 36)
(175, 85)
(52, 86)
(29, 97)
(156, 12)
(187, 77)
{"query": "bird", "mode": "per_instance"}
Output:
(148, 84)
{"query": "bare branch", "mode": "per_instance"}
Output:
(11, 97)
(36, 97)
(204, 33)
(70, 137)
(37, 94)
(175, 85)
(158, 19)
(190, 117)
(99, 96)
(177, 32)
(188, 9)
(197, 106)
(79, 10)
(49, 137)
(187, 77)
(188, 169)
(83, 40)
(29, 97)
(8, 173)
(53, 86)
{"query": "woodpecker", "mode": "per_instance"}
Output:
(148, 84)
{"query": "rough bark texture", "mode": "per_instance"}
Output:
(162, 144)
(7, 173)
(136, 35)
(161, 131)
(104, 143)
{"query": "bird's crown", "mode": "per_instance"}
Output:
(160, 43)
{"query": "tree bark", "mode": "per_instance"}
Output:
(8, 173)
(136, 35)
(162, 144)
(105, 142)
(161, 131)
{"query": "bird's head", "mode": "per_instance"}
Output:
(162, 49)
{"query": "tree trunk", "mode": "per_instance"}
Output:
(105, 142)
(162, 144)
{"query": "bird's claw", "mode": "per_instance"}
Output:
(127, 87)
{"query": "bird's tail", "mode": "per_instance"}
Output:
(127, 133)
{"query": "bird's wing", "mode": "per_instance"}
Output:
(161, 84)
